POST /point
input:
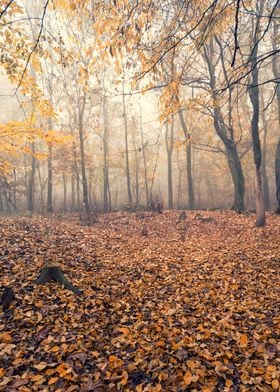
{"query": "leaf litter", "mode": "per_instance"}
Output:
(191, 305)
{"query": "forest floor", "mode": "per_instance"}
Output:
(167, 304)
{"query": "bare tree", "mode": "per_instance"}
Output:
(255, 100)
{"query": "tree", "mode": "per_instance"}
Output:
(225, 130)
(169, 143)
(255, 100)
(189, 161)
(276, 73)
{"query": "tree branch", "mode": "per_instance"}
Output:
(35, 46)
(6, 8)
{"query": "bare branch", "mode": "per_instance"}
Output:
(213, 4)
(6, 8)
(236, 46)
(34, 47)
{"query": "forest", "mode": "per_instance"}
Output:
(139, 195)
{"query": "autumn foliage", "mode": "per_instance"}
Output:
(192, 305)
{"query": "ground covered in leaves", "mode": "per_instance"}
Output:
(168, 304)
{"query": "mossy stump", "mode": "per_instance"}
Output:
(51, 273)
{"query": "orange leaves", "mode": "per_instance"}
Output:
(115, 362)
(187, 378)
(123, 330)
(53, 380)
(5, 338)
(243, 341)
(159, 314)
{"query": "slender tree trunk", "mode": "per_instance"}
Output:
(179, 186)
(83, 163)
(31, 180)
(50, 154)
(136, 160)
(143, 147)
(237, 177)
(190, 177)
(50, 180)
(169, 141)
(64, 192)
(15, 189)
(189, 162)
(266, 197)
(276, 73)
(77, 176)
(277, 176)
(105, 159)
(72, 191)
(255, 100)
(226, 137)
(128, 182)
(42, 188)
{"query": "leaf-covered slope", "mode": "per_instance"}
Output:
(189, 305)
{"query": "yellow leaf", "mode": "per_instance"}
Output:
(52, 380)
(275, 384)
(271, 368)
(37, 377)
(41, 366)
(243, 340)
(187, 378)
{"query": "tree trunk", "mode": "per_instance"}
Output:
(276, 73)
(50, 154)
(50, 179)
(255, 100)
(266, 197)
(169, 141)
(83, 164)
(143, 146)
(237, 177)
(227, 137)
(190, 178)
(105, 159)
(136, 160)
(72, 191)
(31, 180)
(15, 189)
(179, 185)
(128, 183)
(277, 176)
(189, 162)
(64, 192)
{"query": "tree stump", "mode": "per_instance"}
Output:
(7, 298)
(182, 216)
(55, 273)
(144, 231)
